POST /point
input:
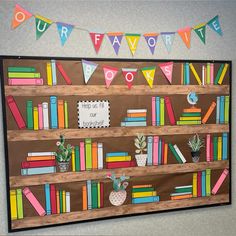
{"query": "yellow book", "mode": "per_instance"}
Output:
(195, 73)
(73, 160)
(223, 73)
(190, 118)
(36, 118)
(13, 204)
(121, 158)
(144, 194)
(58, 202)
(194, 184)
(219, 156)
(49, 73)
(64, 201)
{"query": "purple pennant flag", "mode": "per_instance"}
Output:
(115, 39)
(151, 39)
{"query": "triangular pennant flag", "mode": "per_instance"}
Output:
(185, 34)
(88, 69)
(64, 31)
(109, 73)
(129, 75)
(97, 40)
(200, 30)
(167, 69)
(215, 25)
(151, 39)
(115, 39)
(149, 73)
(132, 40)
(42, 24)
(168, 39)
(20, 16)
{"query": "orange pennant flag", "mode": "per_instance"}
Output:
(20, 16)
(185, 34)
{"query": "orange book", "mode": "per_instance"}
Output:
(181, 197)
(210, 110)
(193, 110)
(84, 196)
(40, 158)
(58, 202)
(141, 114)
(61, 118)
(165, 153)
(142, 186)
(94, 155)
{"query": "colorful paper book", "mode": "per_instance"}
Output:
(73, 160)
(181, 197)
(180, 154)
(77, 158)
(38, 154)
(88, 153)
(53, 199)
(175, 153)
(208, 182)
(82, 156)
(211, 150)
(115, 154)
(40, 158)
(208, 79)
(217, 109)
(13, 204)
(136, 111)
(170, 111)
(67, 202)
(53, 110)
(101, 194)
(195, 74)
(158, 111)
(188, 122)
(29, 112)
(33, 164)
(120, 164)
(155, 150)
(66, 118)
(141, 114)
(190, 114)
(128, 119)
(208, 147)
(133, 123)
(143, 194)
(162, 112)
(194, 184)
(182, 74)
(215, 145)
(145, 199)
(40, 114)
(25, 81)
(118, 158)
(187, 74)
(162, 151)
(58, 201)
(209, 112)
(219, 151)
(203, 190)
(45, 115)
(60, 112)
(47, 199)
(63, 73)
(165, 154)
(184, 118)
(84, 198)
(219, 72)
(94, 195)
(23, 69)
(184, 189)
(49, 73)
(199, 183)
(222, 109)
(149, 150)
(38, 170)
(23, 75)
(54, 73)
(226, 109)
(147, 189)
(142, 186)
(153, 111)
(224, 146)
(159, 151)
(63, 201)
(89, 194)
(220, 181)
(222, 76)
(190, 110)
(95, 155)
(100, 155)
(36, 118)
(180, 194)
(19, 200)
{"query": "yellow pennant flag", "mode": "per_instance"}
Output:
(149, 73)
(132, 40)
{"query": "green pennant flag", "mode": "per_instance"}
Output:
(200, 30)
(42, 24)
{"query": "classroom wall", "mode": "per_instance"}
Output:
(127, 16)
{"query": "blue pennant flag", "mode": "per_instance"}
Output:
(64, 31)
(168, 39)
(88, 69)
(214, 24)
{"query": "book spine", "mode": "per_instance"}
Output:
(40, 111)
(208, 182)
(181, 197)
(60, 114)
(180, 154)
(115, 154)
(187, 74)
(73, 160)
(98, 193)
(182, 74)
(184, 190)
(120, 164)
(194, 184)
(180, 194)
(155, 150)
(84, 198)
(188, 122)
(136, 115)
(39, 158)
(89, 192)
(82, 156)
(199, 183)
(220, 181)
(88, 153)
(211, 150)
(138, 190)
(162, 112)
(94, 155)
(226, 109)
(47, 198)
(19, 200)
(186, 118)
(215, 146)
(142, 186)
(100, 155)
(158, 114)
(219, 152)
(66, 115)
(63, 201)
(165, 154)
(36, 118)
(101, 194)
(37, 154)
(145, 199)
(77, 159)
(208, 147)
(217, 110)
(191, 110)
(209, 112)
(23, 69)
(162, 152)
(170, 111)
(222, 109)
(25, 81)
(159, 151)
(45, 115)
(222, 76)
(13, 204)
(29, 111)
(58, 201)
(38, 171)
(63, 73)
(49, 73)
(53, 199)
(23, 75)
(149, 150)
(54, 73)
(211, 73)
(32, 164)
(144, 194)
(121, 158)
(195, 74)
(203, 75)
(224, 146)
(133, 123)
(208, 77)
(153, 111)
(136, 111)
(67, 202)
(219, 72)
(132, 119)
(94, 195)
(53, 108)
(175, 153)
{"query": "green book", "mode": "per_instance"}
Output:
(175, 153)
(162, 111)
(208, 76)
(66, 115)
(187, 114)
(138, 190)
(77, 159)
(61, 201)
(23, 75)
(29, 111)
(226, 109)
(208, 182)
(21, 69)
(184, 190)
(189, 122)
(88, 153)
(215, 148)
(94, 195)
(19, 200)
(219, 74)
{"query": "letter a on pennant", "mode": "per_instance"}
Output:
(129, 75)
(167, 69)
(109, 73)
(20, 15)
(64, 31)
(42, 24)
(97, 40)
(88, 69)
(115, 39)
(200, 30)
(185, 34)
(151, 39)
(132, 40)
(149, 73)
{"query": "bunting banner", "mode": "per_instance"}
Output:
(88, 69)
(109, 73)
(115, 39)
(64, 31)
(214, 24)
(42, 24)
(168, 39)
(185, 34)
(149, 73)
(132, 40)
(20, 15)
(167, 69)
(151, 39)
(200, 30)
(96, 40)
(129, 75)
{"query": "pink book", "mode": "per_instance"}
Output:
(25, 81)
(155, 150)
(208, 147)
(34, 202)
(15, 112)
(153, 111)
(220, 181)
(82, 156)
(170, 111)
(40, 112)
(212, 73)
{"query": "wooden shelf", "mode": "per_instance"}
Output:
(35, 221)
(101, 90)
(68, 177)
(30, 135)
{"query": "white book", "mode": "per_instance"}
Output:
(33, 154)
(45, 115)
(179, 153)
(179, 194)
(100, 156)
(54, 73)
(203, 75)
(136, 110)
(67, 202)
(186, 186)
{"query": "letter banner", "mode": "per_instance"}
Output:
(167, 69)
(132, 40)
(20, 15)
(42, 24)
(200, 30)
(88, 69)
(129, 75)
(185, 34)
(149, 73)
(214, 24)
(115, 39)
(151, 39)
(109, 73)
(168, 39)
(64, 31)
(97, 40)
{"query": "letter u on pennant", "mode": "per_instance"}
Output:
(42, 24)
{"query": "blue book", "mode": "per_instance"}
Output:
(133, 123)
(116, 154)
(187, 73)
(53, 109)
(47, 199)
(222, 109)
(89, 194)
(159, 152)
(135, 119)
(38, 170)
(145, 199)
(204, 183)
(149, 150)
(158, 115)
(218, 110)
(224, 146)
(54, 73)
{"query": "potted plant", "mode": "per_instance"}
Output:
(118, 195)
(195, 143)
(140, 143)
(63, 154)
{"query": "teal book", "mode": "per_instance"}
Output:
(215, 148)
(149, 150)
(158, 113)
(219, 74)
(145, 199)
(190, 114)
(47, 198)
(175, 153)
(224, 146)
(88, 153)
(135, 119)
(38, 170)
(187, 73)
(77, 159)
(116, 154)
(133, 123)
(222, 109)
(29, 112)
(21, 69)
(184, 190)
(159, 152)
(203, 183)
(94, 195)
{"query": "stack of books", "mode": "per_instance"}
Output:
(39, 163)
(16, 203)
(190, 116)
(157, 151)
(216, 147)
(119, 160)
(87, 155)
(222, 110)
(23, 75)
(135, 117)
(144, 194)
(93, 195)
(177, 153)
(182, 192)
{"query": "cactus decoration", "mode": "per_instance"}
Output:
(140, 143)
(117, 182)
(63, 154)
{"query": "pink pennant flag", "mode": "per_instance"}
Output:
(20, 16)
(129, 75)
(109, 73)
(97, 40)
(167, 69)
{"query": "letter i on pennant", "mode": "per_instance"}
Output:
(20, 15)
(109, 73)
(129, 75)
(185, 34)
(96, 40)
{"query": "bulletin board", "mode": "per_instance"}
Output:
(100, 106)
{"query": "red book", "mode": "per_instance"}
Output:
(170, 111)
(212, 151)
(120, 164)
(53, 199)
(63, 73)
(34, 164)
(15, 112)
(162, 152)
(199, 183)
(101, 194)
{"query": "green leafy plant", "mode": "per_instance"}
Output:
(117, 182)
(63, 154)
(195, 143)
(140, 143)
